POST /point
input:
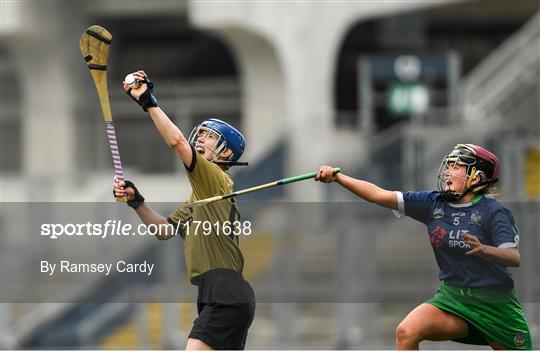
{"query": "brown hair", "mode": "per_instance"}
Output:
(492, 190)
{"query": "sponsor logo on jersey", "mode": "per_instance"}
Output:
(520, 339)
(436, 237)
(438, 213)
(476, 218)
(455, 239)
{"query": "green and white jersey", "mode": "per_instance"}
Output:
(208, 243)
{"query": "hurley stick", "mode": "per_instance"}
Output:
(95, 44)
(284, 181)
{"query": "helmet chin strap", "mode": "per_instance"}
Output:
(483, 184)
(451, 196)
(231, 163)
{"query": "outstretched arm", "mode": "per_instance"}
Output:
(168, 130)
(366, 190)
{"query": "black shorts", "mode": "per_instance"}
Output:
(226, 307)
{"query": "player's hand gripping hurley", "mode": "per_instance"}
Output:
(95, 45)
(284, 181)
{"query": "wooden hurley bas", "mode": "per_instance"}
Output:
(95, 45)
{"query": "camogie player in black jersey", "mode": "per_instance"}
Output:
(225, 302)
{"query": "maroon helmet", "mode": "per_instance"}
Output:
(476, 159)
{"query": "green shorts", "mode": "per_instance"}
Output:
(492, 315)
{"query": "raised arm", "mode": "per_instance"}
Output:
(172, 135)
(168, 130)
(366, 190)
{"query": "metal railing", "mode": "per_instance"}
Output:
(512, 66)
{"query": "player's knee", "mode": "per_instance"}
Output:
(407, 334)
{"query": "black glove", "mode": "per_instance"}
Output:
(147, 99)
(137, 200)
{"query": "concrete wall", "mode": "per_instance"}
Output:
(39, 47)
(288, 53)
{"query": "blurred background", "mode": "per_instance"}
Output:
(382, 89)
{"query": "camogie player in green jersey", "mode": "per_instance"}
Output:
(225, 302)
(474, 239)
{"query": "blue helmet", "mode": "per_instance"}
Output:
(228, 137)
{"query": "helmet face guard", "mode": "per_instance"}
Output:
(477, 161)
(227, 137)
(218, 148)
